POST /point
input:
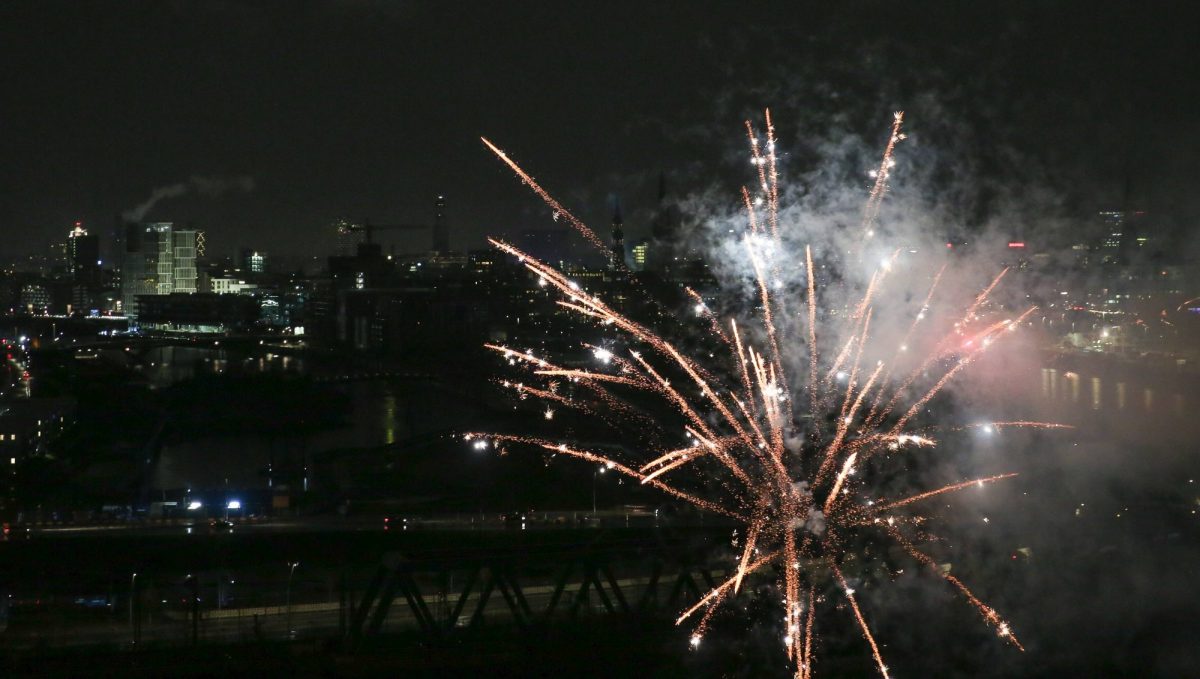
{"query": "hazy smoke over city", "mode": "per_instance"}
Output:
(204, 186)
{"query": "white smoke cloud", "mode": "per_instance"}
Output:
(204, 186)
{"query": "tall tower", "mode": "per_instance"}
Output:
(616, 258)
(441, 235)
(158, 259)
(183, 260)
(83, 254)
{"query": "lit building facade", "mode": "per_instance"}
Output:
(640, 251)
(158, 259)
(83, 253)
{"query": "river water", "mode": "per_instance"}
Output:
(1100, 399)
(380, 412)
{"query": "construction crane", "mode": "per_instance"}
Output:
(441, 239)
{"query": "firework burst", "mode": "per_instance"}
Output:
(778, 453)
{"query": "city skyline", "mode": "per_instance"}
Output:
(395, 97)
(671, 339)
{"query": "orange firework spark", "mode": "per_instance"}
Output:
(559, 210)
(945, 489)
(775, 472)
(875, 199)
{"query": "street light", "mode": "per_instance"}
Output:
(291, 571)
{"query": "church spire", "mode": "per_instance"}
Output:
(617, 256)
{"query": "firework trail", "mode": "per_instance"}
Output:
(875, 199)
(739, 451)
(559, 210)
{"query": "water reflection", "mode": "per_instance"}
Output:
(1105, 393)
(389, 418)
(166, 365)
(379, 412)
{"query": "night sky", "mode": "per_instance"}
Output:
(370, 109)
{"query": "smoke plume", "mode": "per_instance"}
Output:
(204, 186)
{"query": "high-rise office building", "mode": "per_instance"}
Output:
(253, 261)
(640, 251)
(83, 255)
(158, 260)
(183, 260)
(441, 231)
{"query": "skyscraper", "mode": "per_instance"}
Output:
(158, 260)
(253, 261)
(183, 260)
(616, 258)
(441, 233)
(83, 255)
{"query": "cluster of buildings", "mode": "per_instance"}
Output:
(28, 427)
(160, 279)
(1107, 291)
(1116, 285)
(392, 305)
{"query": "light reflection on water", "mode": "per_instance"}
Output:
(380, 412)
(166, 365)
(1109, 395)
(388, 418)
